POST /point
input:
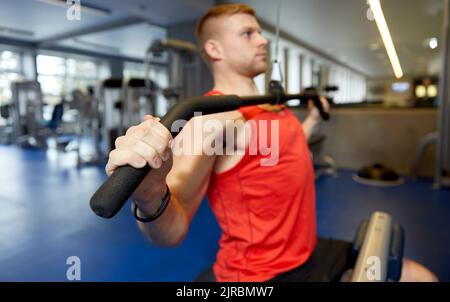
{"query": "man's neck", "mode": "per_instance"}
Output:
(241, 86)
(235, 84)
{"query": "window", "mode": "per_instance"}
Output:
(352, 86)
(309, 69)
(9, 60)
(59, 76)
(10, 71)
(50, 65)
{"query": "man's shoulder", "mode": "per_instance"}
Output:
(213, 92)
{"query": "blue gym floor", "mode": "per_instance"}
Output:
(45, 218)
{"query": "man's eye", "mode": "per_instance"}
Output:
(248, 33)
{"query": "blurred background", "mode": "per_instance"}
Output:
(75, 75)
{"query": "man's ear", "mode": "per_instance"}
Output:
(213, 50)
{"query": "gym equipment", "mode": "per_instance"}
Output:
(6, 125)
(140, 99)
(180, 53)
(378, 175)
(379, 246)
(113, 194)
(112, 96)
(327, 163)
(122, 106)
(27, 115)
(325, 91)
(381, 242)
(427, 141)
(31, 130)
(324, 164)
(88, 126)
(106, 113)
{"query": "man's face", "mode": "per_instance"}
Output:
(244, 48)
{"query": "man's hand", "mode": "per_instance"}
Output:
(146, 143)
(314, 114)
(314, 117)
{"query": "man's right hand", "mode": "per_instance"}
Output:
(148, 143)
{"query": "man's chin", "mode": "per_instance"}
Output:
(258, 71)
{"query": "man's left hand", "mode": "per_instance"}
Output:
(314, 113)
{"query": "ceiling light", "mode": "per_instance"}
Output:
(433, 43)
(386, 36)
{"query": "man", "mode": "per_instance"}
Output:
(266, 210)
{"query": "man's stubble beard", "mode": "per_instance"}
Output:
(256, 68)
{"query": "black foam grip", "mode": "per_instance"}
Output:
(115, 191)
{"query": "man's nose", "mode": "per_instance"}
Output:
(262, 42)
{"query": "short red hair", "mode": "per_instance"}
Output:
(221, 10)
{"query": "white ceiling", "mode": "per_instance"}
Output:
(336, 27)
(44, 20)
(133, 40)
(341, 29)
(162, 12)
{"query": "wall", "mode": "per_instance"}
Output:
(357, 137)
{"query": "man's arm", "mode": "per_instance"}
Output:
(187, 181)
(309, 124)
(187, 174)
(313, 118)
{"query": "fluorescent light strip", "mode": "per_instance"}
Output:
(386, 36)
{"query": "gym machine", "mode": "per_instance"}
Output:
(378, 245)
(88, 127)
(107, 113)
(180, 54)
(27, 115)
(378, 249)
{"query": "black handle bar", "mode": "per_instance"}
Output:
(115, 191)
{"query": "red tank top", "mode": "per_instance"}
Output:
(266, 213)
